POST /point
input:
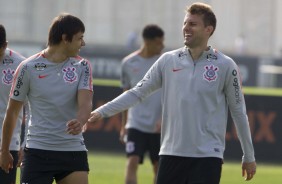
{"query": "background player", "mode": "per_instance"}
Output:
(9, 62)
(141, 125)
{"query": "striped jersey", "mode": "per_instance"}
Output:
(196, 96)
(145, 115)
(52, 92)
(8, 66)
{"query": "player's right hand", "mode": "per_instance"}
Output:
(94, 117)
(6, 161)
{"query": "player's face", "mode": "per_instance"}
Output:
(194, 31)
(75, 45)
(156, 45)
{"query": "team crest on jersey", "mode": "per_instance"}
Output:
(70, 74)
(8, 76)
(210, 73)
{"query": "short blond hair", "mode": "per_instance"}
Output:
(205, 10)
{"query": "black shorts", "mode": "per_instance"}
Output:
(11, 177)
(188, 170)
(139, 142)
(42, 166)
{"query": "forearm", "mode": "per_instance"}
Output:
(244, 135)
(8, 127)
(84, 106)
(9, 123)
(84, 113)
(119, 104)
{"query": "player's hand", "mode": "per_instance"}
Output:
(248, 170)
(94, 117)
(74, 127)
(85, 127)
(20, 156)
(6, 161)
(122, 135)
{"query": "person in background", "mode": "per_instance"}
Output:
(198, 84)
(10, 60)
(141, 124)
(58, 84)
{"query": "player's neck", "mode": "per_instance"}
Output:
(196, 52)
(2, 53)
(2, 57)
(55, 54)
(146, 53)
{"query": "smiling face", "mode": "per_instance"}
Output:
(195, 33)
(75, 45)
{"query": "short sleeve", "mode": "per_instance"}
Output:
(20, 86)
(85, 81)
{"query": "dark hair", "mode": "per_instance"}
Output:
(152, 31)
(205, 10)
(2, 36)
(64, 24)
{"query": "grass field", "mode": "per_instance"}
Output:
(108, 168)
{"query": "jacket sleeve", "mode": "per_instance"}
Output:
(150, 83)
(237, 106)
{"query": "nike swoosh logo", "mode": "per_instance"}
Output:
(177, 69)
(42, 76)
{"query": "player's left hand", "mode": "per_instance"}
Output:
(248, 170)
(74, 127)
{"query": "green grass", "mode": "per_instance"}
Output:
(262, 91)
(266, 174)
(109, 168)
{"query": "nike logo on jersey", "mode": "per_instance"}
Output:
(176, 69)
(42, 76)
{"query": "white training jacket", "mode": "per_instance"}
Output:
(195, 96)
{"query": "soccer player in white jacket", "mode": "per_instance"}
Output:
(198, 85)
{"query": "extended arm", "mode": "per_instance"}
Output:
(10, 120)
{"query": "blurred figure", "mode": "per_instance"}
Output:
(58, 84)
(240, 45)
(198, 85)
(9, 63)
(131, 42)
(141, 125)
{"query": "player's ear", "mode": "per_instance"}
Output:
(209, 29)
(5, 45)
(64, 38)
